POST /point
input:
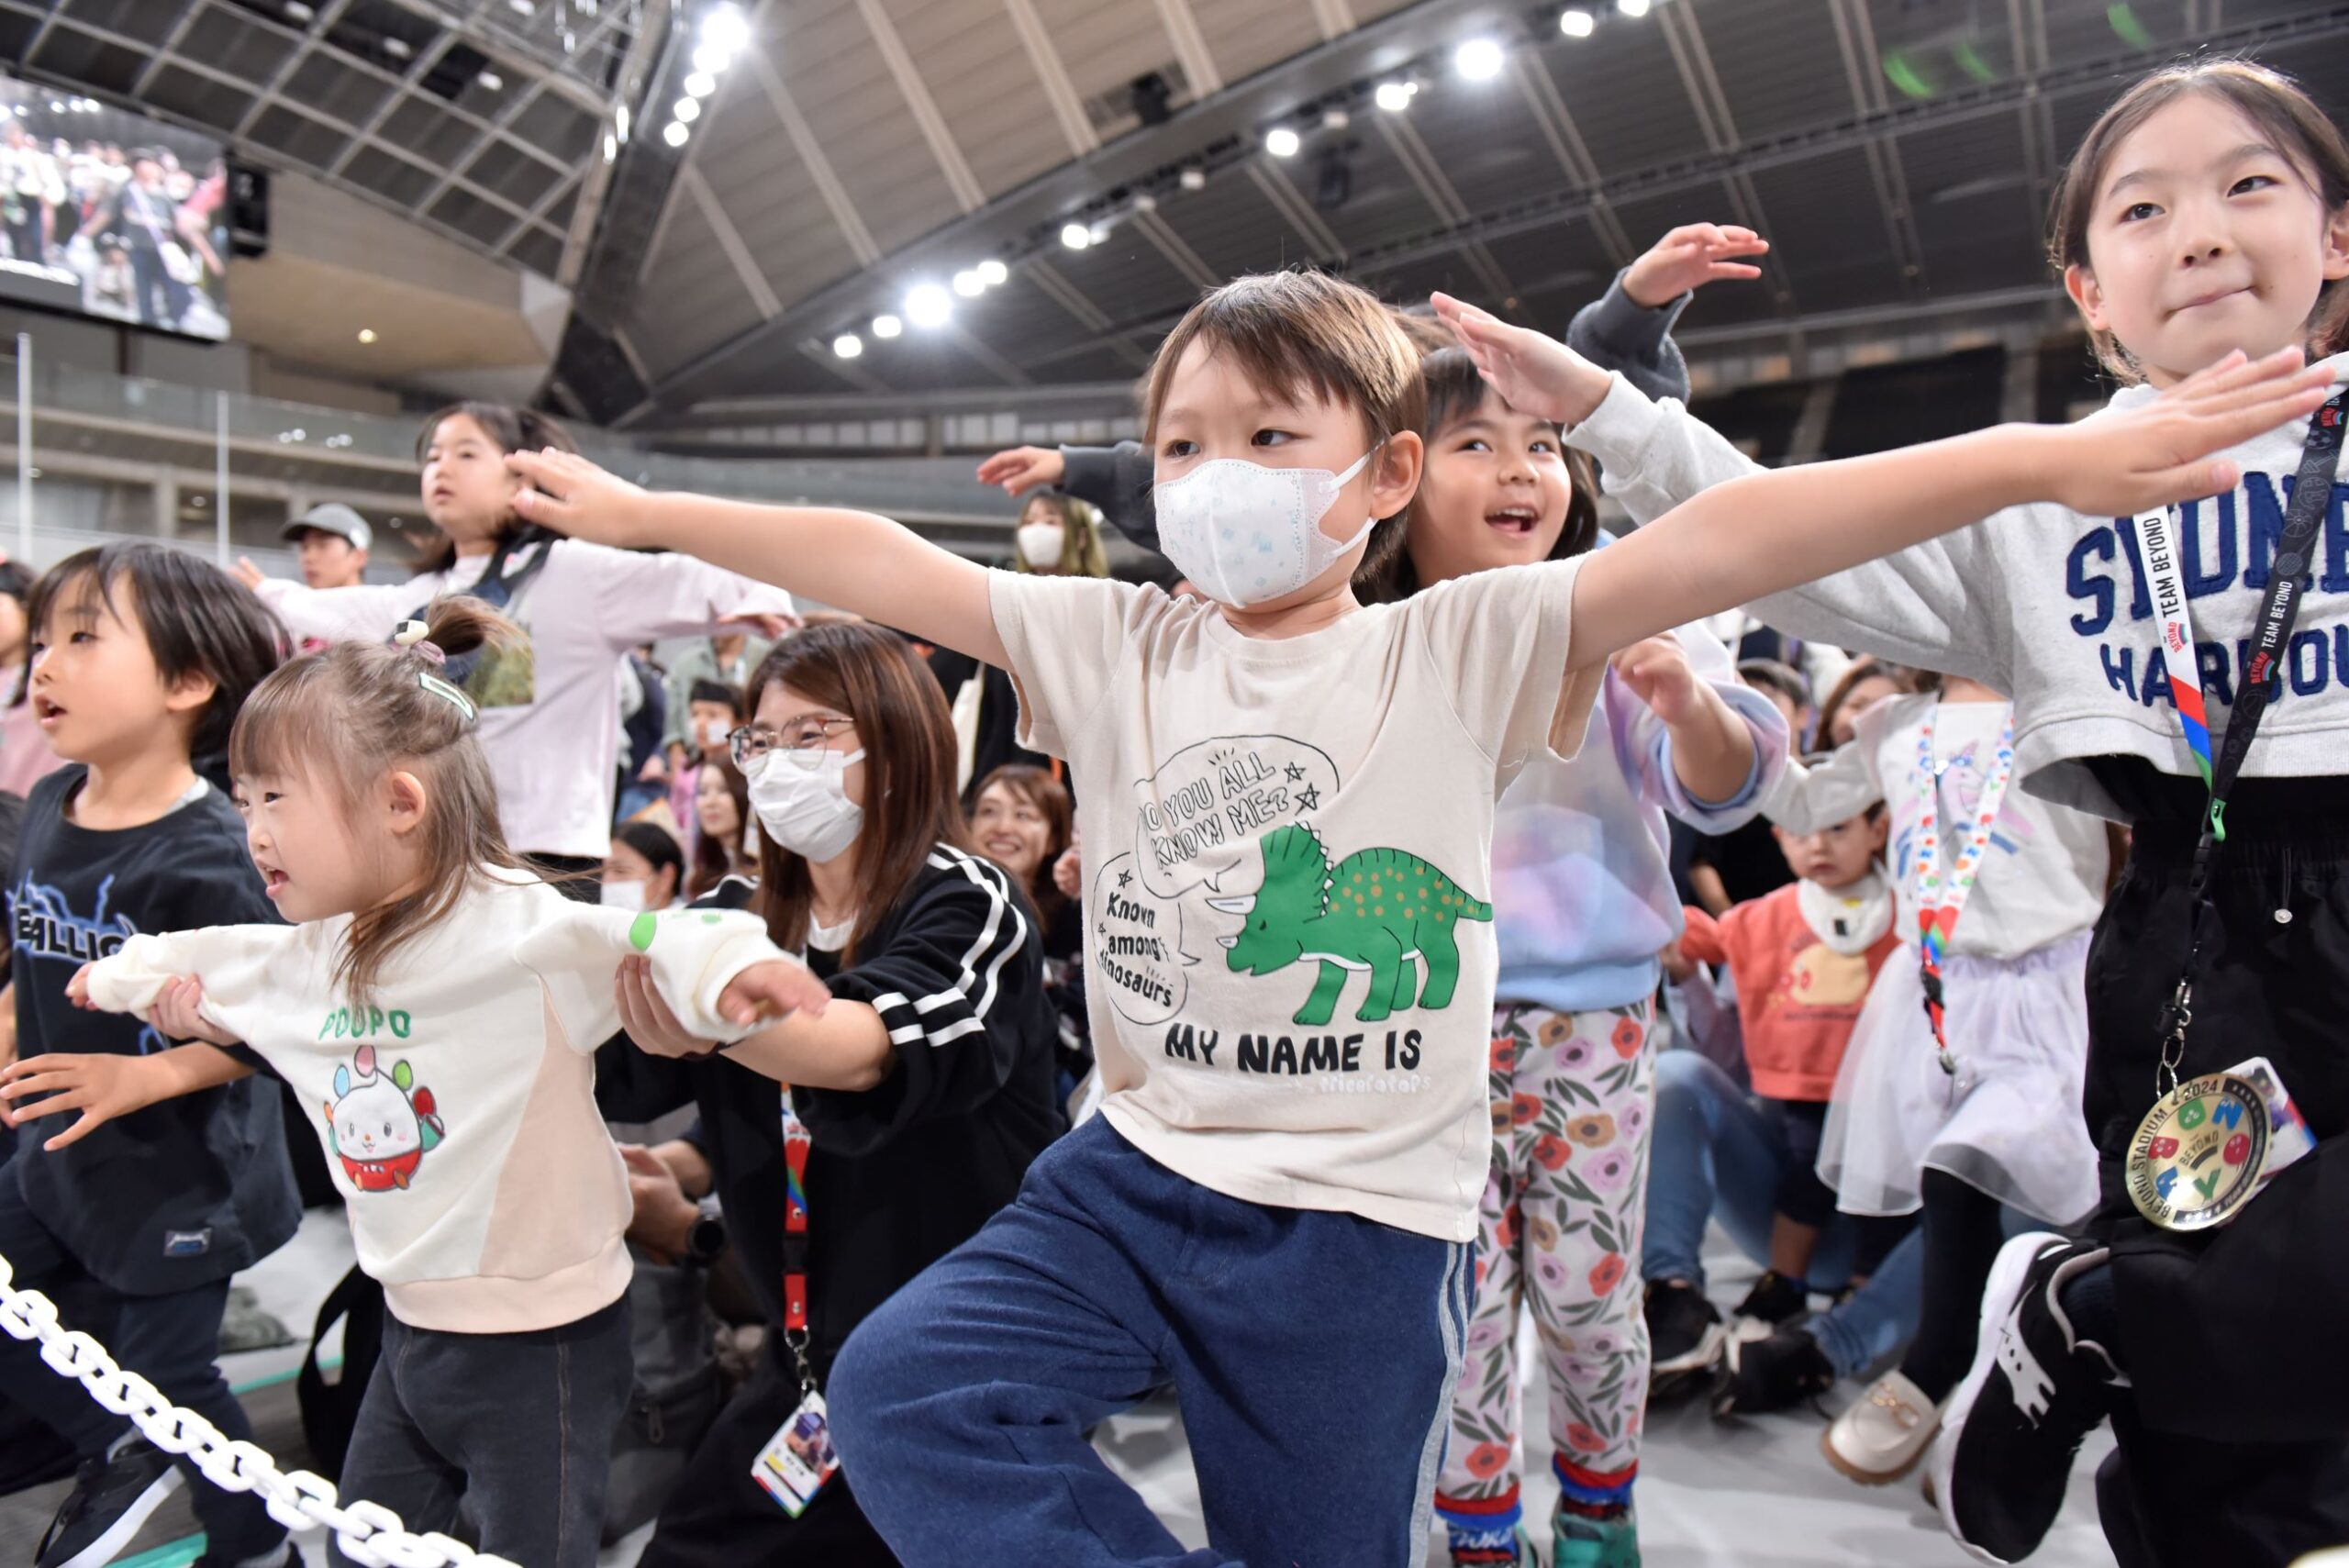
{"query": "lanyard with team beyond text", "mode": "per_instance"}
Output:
(1939, 904)
(2271, 633)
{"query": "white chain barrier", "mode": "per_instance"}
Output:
(368, 1533)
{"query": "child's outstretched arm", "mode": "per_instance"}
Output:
(852, 561)
(104, 1086)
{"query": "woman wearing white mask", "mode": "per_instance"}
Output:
(644, 868)
(921, 1091)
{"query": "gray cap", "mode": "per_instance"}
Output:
(335, 518)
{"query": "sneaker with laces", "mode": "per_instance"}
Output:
(1578, 1541)
(2035, 1391)
(111, 1497)
(1774, 1373)
(1774, 1300)
(1884, 1434)
(1685, 1335)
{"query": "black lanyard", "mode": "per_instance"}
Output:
(2295, 549)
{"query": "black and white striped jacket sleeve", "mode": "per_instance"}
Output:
(957, 974)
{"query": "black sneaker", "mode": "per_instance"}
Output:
(1684, 1335)
(2035, 1391)
(1773, 1299)
(111, 1498)
(1772, 1374)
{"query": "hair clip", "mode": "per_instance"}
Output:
(447, 693)
(414, 635)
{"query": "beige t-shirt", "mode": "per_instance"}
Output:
(1288, 945)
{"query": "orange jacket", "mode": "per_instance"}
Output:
(1796, 998)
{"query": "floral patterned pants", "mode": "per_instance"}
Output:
(1573, 1095)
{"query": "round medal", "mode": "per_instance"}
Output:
(2197, 1156)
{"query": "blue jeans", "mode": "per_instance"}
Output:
(1718, 1154)
(1313, 1353)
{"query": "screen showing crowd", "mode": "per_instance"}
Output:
(110, 214)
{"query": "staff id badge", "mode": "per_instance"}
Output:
(799, 1458)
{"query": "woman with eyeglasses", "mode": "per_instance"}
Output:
(921, 1091)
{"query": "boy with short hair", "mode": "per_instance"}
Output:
(1288, 800)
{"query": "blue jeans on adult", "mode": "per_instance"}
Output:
(1718, 1153)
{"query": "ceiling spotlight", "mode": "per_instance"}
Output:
(1335, 119)
(619, 121)
(848, 345)
(397, 48)
(1101, 232)
(1632, 8)
(687, 110)
(490, 80)
(1145, 202)
(723, 25)
(677, 133)
(1479, 60)
(1193, 177)
(366, 334)
(523, 8)
(1395, 96)
(297, 12)
(1577, 24)
(611, 146)
(1075, 235)
(993, 273)
(700, 84)
(969, 285)
(929, 305)
(887, 327)
(710, 59)
(1281, 142)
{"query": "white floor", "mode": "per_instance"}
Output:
(1748, 1494)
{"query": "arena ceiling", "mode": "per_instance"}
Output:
(851, 151)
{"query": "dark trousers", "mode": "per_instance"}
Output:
(172, 1341)
(518, 1427)
(2234, 1439)
(162, 299)
(1313, 1355)
(718, 1517)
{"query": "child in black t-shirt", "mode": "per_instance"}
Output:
(141, 658)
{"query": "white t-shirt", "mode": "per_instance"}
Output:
(2044, 871)
(1289, 945)
(458, 1107)
(555, 754)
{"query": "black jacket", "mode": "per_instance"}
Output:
(901, 1174)
(188, 1191)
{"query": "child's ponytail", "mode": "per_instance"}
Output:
(353, 715)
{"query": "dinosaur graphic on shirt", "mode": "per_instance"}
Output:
(1378, 911)
(381, 1125)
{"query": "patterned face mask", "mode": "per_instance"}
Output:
(1246, 534)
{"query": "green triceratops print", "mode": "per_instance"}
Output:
(1378, 911)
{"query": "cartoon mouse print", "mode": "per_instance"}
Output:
(381, 1124)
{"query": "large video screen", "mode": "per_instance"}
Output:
(110, 214)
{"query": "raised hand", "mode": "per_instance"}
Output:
(1534, 375)
(1657, 669)
(2116, 465)
(1023, 468)
(245, 572)
(1690, 256)
(573, 497)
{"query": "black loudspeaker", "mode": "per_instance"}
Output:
(1151, 96)
(248, 210)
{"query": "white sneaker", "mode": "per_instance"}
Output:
(1884, 1434)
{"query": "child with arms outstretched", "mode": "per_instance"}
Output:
(1273, 1211)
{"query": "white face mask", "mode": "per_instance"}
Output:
(627, 895)
(1246, 534)
(1041, 544)
(806, 810)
